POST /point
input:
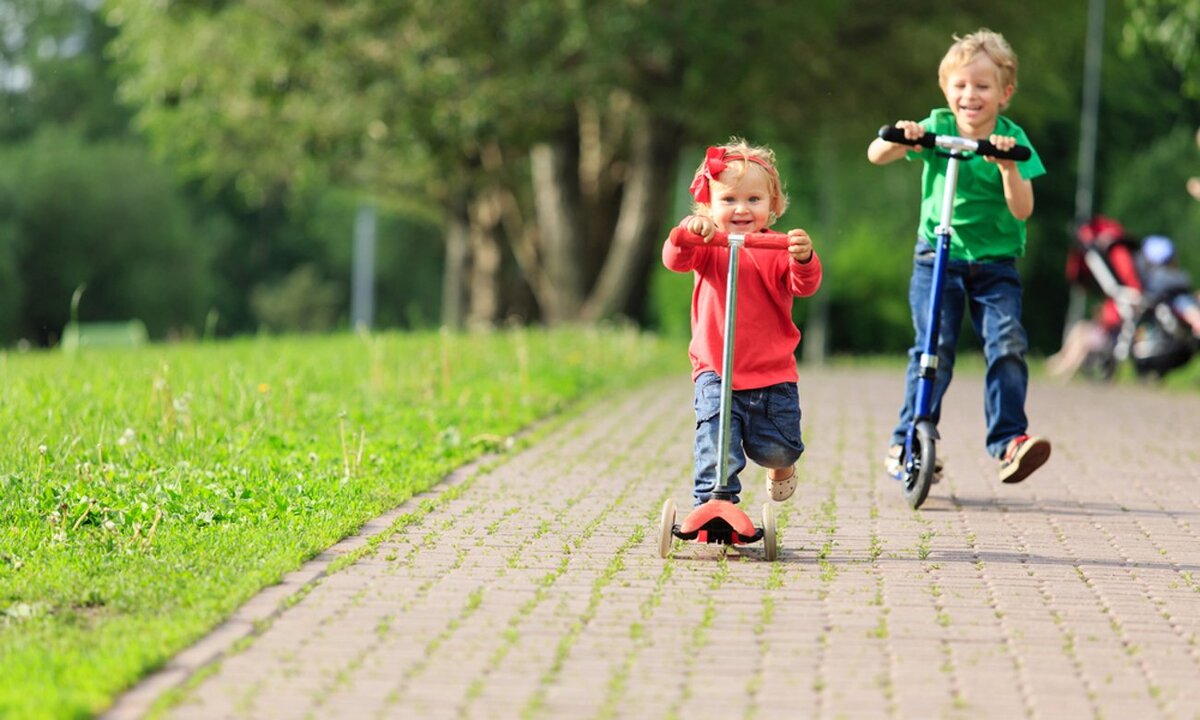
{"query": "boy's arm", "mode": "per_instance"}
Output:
(1018, 192)
(882, 152)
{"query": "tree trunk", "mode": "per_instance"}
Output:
(454, 272)
(486, 260)
(555, 170)
(639, 221)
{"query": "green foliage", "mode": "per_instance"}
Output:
(407, 100)
(408, 257)
(100, 215)
(1170, 26)
(56, 47)
(302, 302)
(866, 274)
(146, 493)
(1149, 196)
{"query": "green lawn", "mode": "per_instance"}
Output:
(145, 493)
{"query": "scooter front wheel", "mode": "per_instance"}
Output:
(919, 467)
(666, 527)
(770, 536)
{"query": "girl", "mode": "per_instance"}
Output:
(737, 190)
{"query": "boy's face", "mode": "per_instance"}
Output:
(741, 205)
(975, 96)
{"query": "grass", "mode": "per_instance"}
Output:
(146, 493)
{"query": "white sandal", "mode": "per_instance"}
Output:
(781, 489)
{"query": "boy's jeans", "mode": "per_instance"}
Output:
(991, 291)
(764, 426)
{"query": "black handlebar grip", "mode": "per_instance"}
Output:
(893, 134)
(1018, 152)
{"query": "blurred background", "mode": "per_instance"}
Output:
(211, 168)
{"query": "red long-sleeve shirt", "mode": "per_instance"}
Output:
(765, 338)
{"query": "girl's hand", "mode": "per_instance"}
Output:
(1002, 142)
(800, 245)
(700, 225)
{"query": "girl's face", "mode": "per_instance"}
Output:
(741, 205)
(975, 96)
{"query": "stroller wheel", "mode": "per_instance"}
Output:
(770, 538)
(666, 527)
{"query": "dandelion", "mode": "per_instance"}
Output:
(126, 437)
(42, 449)
(264, 388)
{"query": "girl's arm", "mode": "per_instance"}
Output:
(804, 278)
(679, 258)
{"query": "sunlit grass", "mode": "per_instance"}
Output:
(146, 493)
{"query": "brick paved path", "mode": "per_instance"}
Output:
(534, 588)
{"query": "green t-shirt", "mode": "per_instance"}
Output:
(982, 228)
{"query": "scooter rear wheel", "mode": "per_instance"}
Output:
(919, 469)
(666, 526)
(770, 538)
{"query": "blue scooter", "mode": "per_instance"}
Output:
(920, 443)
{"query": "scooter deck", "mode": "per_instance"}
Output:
(718, 521)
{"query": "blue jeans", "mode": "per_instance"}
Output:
(991, 292)
(764, 426)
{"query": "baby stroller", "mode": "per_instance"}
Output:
(1138, 323)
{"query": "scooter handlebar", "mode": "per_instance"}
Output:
(893, 134)
(773, 241)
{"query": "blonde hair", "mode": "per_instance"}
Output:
(766, 157)
(981, 42)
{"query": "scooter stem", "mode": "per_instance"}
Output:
(722, 484)
(941, 259)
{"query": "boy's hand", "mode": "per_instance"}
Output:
(700, 225)
(882, 152)
(912, 131)
(800, 245)
(1002, 142)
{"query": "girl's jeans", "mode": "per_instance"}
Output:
(991, 292)
(764, 426)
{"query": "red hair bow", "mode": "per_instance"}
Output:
(716, 159)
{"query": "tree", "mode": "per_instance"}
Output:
(52, 70)
(546, 133)
(1170, 25)
(104, 216)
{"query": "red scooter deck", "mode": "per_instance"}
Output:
(713, 521)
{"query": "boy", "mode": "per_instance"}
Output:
(994, 197)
